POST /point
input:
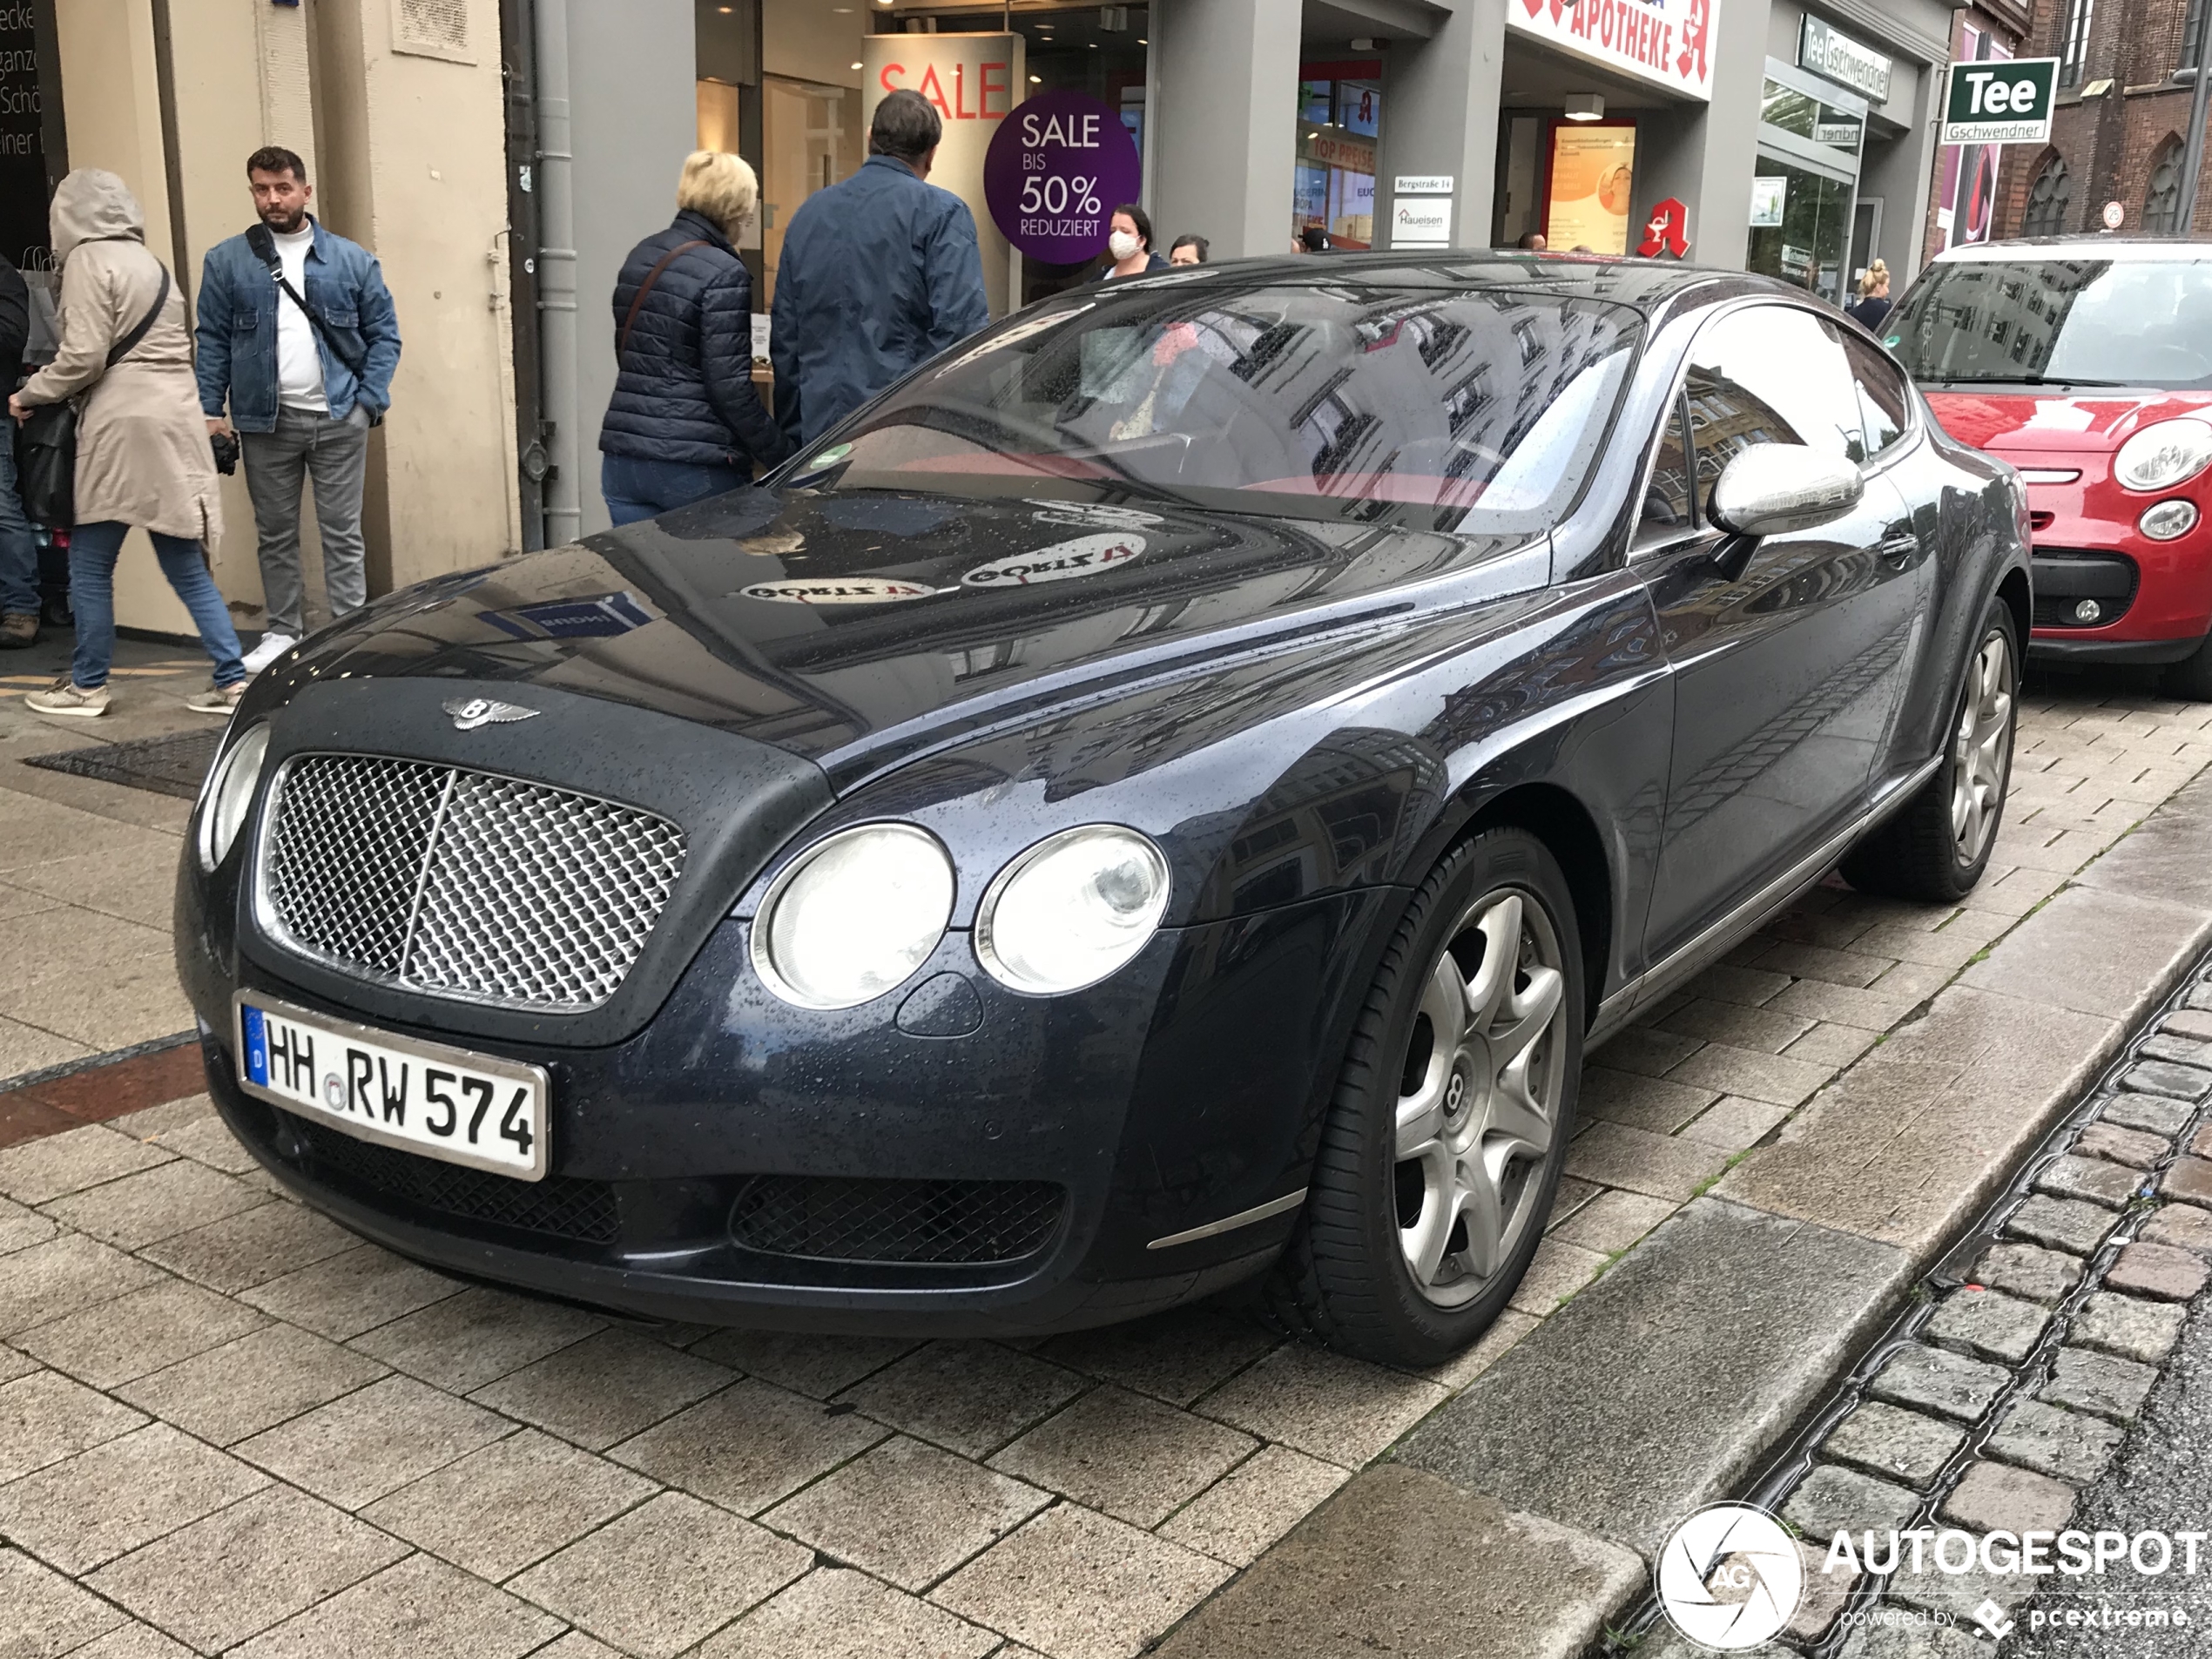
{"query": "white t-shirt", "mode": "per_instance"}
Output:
(298, 357)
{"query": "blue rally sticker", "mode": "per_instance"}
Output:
(256, 1046)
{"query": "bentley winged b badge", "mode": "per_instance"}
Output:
(469, 712)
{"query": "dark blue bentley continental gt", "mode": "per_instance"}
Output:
(1163, 797)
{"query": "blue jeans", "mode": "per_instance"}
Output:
(93, 550)
(635, 490)
(18, 549)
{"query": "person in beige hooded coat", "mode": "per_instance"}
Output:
(142, 451)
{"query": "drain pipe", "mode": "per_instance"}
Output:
(556, 335)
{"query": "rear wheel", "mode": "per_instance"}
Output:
(1443, 1148)
(2191, 677)
(1936, 847)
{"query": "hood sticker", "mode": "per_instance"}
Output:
(1085, 555)
(1094, 517)
(855, 590)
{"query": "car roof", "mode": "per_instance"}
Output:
(1645, 284)
(2121, 249)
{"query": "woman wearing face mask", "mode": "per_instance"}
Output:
(1129, 244)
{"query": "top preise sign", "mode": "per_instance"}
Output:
(1668, 42)
(1999, 101)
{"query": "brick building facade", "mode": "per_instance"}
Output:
(2121, 126)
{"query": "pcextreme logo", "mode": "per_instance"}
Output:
(1729, 1577)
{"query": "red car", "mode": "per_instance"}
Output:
(2087, 363)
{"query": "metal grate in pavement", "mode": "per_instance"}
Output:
(175, 764)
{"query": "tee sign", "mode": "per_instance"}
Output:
(1994, 100)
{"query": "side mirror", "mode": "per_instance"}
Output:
(1772, 489)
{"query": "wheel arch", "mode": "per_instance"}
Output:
(1557, 819)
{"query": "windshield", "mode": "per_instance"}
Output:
(1461, 410)
(2080, 322)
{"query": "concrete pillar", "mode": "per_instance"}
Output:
(412, 123)
(1441, 114)
(633, 109)
(1703, 154)
(1225, 122)
(1904, 174)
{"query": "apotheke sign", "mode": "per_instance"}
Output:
(1668, 42)
(1996, 101)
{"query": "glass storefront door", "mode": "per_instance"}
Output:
(1340, 128)
(1805, 182)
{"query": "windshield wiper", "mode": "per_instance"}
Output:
(2022, 379)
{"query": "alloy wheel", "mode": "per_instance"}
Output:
(1982, 748)
(1479, 1097)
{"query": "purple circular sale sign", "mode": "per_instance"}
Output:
(1058, 166)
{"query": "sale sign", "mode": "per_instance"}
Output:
(969, 80)
(1669, 42)
(1058, 167)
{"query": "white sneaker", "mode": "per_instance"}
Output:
(271, 647)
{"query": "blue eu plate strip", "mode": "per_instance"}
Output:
(257, 1047)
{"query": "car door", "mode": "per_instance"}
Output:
(1788, 654)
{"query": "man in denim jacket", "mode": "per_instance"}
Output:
(307, 372)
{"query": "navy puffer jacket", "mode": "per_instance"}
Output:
(684, 389)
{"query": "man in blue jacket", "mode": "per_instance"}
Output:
(297, 331)
(877, 273)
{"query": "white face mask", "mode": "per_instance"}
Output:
(1122, 245)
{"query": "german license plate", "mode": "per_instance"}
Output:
(422, 1097)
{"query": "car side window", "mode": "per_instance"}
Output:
(1669, 504)
(1883, 409)
(1771, 375)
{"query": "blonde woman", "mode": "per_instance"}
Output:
(1873, 302)
(685, 421)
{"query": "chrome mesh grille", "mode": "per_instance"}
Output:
(463, 884)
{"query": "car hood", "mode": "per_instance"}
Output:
(2044, 424)
(857, 630)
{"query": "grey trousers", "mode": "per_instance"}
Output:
(334, 453)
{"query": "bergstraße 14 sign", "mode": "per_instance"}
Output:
(1996, 100)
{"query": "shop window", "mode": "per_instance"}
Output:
(1339, 126)
(1800, 227)
(2073, 49)
(2048, 199)
(2162, 199)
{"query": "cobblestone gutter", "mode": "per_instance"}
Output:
(2005, 1389)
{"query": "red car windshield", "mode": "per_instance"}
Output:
(1478, 411)
(2132, 322)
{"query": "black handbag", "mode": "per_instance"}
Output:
(47, 443)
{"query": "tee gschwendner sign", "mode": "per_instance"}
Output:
(1995, 101)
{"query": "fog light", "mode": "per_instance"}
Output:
(2167, 519)
(2087, 611)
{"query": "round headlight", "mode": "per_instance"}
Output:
(228, 796)
(1072, 909)
(2162, 455)
(853, 916)
(2167, 519)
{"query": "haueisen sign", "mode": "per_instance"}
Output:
(1994, 100)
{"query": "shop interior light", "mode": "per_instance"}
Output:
(1585, 106)
(856, 65)
(1036, 80)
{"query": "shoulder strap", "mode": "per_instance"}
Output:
(621, 342)
(129, 343)
(322, 331)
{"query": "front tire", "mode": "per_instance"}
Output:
(2190, 679)
(1444, 1143)
(1936, 847)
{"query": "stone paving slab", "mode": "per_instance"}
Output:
(1076, 1497)
(1667, 1378)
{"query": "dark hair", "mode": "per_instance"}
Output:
(1315, 238)
(274, 158)
(1198, 242)
(905, 128)
(1137, 217)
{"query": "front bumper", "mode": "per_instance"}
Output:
(1187, 1088)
